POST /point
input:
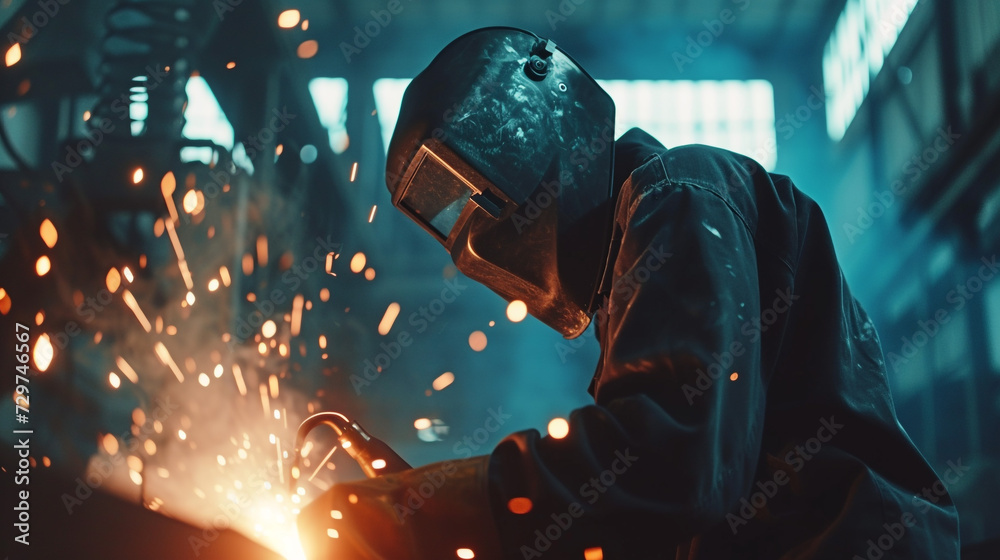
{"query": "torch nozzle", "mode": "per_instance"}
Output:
(374, 456)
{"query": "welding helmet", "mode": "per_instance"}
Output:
(503, 152)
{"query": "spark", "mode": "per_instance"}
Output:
(213, 284)
(127, 369)
(114, 380)
(281, 470)
(330, 257)
(371, 216)
(134, 306)
(189, 298)
(517, 310)
(238, 375)
(230, 65)
(13, 55)
(324, 294)
(181, 261)
(268, 329)
(48, 232)
(358, 262)
(110, 444)
(203, 379)
(307, 49)
(297, 314)
(43, 352)
(137, 176)
(477, 341)
(558, 428)
(113, 280)
(288, 19)
(164, 355)
(167, 186)
(224, 274)
(43, 265)
(422, 423)
(388, 319)
(272, 382)
(354, 171)
(443, 380)
(264, 401)
(321, 463)
(322, 341)
(217, 372)
(262, 250)
(247, 264)
(128, 273)
(39, 317)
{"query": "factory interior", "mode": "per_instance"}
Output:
(198, 248)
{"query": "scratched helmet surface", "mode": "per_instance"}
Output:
(503, 151)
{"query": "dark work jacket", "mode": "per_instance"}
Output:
(742, 409)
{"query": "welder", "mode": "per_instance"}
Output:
(741, 406)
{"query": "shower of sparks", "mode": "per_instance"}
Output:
(134, 306)
(371, 216)
(297, 314)
(127, 369)
(164, 355)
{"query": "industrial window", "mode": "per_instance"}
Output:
(330, 97)
(862, 38)
(204, 120)
(731, 114)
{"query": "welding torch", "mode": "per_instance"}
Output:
(372, 454)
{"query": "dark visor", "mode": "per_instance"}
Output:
(435, 194)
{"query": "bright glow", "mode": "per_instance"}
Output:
(520, 506)
(477, 341)
(127, 274)
(443, 380)
(378, 464)
(13, 54)
(182, 434)
(213, 284)
(734, 376)
(369, 273)
(330, 97)
(854, 54)
(43, 265)
(137, 175)
(595, 553)
(558, 428)
(731, 114)
(422, 423)
(268, 329)
(48, 232)
(358, 262)
(217, 372)
(307, 49)
(388, 319)
(465, 553)
(114, 380)
(203, 379)
(517, 310)
(189, 298)
(288, 19)
(43, 352)
(204, 120)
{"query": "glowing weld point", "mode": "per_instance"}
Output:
(378, 464)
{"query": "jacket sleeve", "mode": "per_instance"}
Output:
(673, 440)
